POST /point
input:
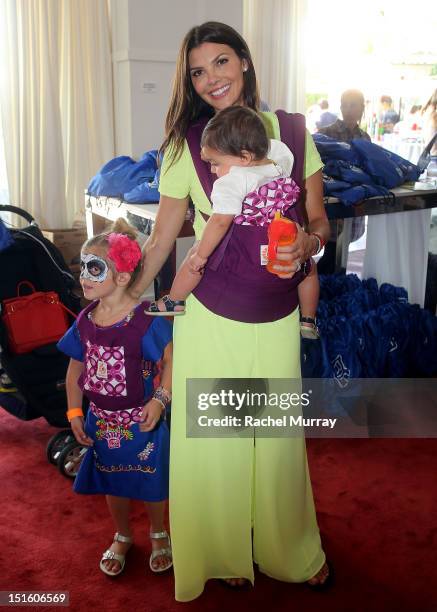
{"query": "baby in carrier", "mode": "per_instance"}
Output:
(252, 185)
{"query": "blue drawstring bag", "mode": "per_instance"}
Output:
(370, 284)
(149, 159)
(329, 148)
(410, 171)
(422, 342)
(376, 191)
(388, 332)
(331, 185)
(341, 349)
(349, 304)
(375, 161)
(313, 359)
(347, 172)
(350, 196)
(357, 326)
(352, 282)
(110, 178)
(395, 318)
(332, 285)
(372, 331)
(390, 293)
(122, 174)
(377, 341)
(144, 193)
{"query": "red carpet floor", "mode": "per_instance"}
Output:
(376, 502)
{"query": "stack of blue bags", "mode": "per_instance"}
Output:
(361, 169)
(133, 181)
(369, 332)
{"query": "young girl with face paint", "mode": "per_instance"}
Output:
(114, 348)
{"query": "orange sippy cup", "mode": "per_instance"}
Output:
(281, 232)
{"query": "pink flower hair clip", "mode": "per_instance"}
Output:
(124, 252)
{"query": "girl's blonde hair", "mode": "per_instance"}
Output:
(119, 226)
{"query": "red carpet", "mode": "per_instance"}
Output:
(376, 501)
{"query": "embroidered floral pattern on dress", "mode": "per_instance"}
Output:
(259, 206)
(112, 435)
(144, 455)
(123, 468)
(105, 370)
(114, 426)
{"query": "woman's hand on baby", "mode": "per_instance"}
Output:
(151, 414)
(196, 262)
(295, 254)
(79, 432)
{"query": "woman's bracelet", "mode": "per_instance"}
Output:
(73, 413)
(162, 396)
(320, 242)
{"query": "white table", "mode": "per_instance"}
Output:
(397, 245)
(101, 210)
(397, 237)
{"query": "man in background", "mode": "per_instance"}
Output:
(348, 128)
(326, 117)
(344, 130)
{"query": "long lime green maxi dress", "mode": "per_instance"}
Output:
(222, 488)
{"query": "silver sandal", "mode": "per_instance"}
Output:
(111, 555)
(161, 552)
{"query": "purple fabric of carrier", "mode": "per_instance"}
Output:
(234, 284)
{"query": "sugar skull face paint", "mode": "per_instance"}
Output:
(93, 268)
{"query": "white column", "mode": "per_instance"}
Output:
(146, 38)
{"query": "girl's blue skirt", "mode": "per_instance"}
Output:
(124, 461)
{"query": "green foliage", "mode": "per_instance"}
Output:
(313, 98)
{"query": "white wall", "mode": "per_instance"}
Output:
(146, 36)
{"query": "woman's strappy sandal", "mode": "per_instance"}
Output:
(308, 328)
(110, 555)
(169, 306)
(161, 552)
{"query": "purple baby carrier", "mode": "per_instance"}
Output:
(112, 376)
(235, 285)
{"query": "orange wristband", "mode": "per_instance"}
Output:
(74, 412)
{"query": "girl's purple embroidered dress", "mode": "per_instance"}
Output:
(119, 364)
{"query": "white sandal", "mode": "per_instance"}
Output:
(161, 552)
(111, 555)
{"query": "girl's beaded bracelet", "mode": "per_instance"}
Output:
(162, 396)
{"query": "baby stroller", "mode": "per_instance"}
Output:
(39, 375)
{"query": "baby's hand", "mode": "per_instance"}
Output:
(151, 414)
(196, 262)
(79, 432)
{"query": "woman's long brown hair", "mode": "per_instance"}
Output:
(185, 104)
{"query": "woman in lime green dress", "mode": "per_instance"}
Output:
(233, 501)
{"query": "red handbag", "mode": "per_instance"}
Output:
(34, 320)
